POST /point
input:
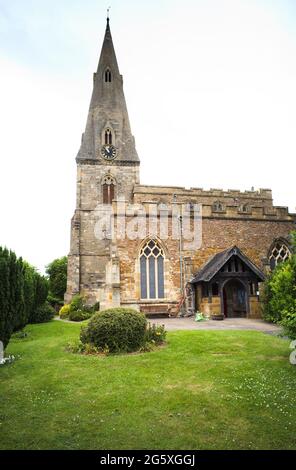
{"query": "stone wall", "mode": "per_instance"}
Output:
(91, 259)
(253, 237)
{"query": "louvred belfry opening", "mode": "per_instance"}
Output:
(108, 185)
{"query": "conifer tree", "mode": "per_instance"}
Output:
(6, 314)
(22, 291)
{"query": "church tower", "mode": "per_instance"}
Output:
(148, 259)
(107, 170)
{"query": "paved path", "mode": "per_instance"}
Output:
(173, 324)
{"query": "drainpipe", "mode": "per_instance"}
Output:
(180, 253)
(182, 309)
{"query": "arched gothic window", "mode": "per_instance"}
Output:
(218, 206)
(152, 270)
(278, 253)
(108, 137)
(108, 76)
(108, 184)
(245, 208)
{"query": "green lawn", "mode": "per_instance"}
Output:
(204, 390)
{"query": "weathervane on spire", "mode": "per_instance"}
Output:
(108, 11)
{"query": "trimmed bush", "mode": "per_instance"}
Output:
(43, 314)
(64, 311)
(79, 315)
(116, 330)
(77, 310)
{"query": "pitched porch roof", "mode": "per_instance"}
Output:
(216, 263)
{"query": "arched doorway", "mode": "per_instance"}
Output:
(235, 299)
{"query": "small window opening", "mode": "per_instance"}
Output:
(108, 185)
(108, 137)
(108, 76)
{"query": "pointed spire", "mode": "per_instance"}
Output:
(108, 31)
(108, 11)
(108, 56)
(108, 108)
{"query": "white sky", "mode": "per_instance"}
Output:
(210, 88)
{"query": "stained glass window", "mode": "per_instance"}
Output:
(152, 271)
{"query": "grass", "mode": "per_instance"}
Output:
(204, 390)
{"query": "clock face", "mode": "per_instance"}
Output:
(108, 152)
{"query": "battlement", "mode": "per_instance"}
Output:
(217, 203)
(213, 192)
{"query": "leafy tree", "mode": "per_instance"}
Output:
(280, 294)
(57, 274)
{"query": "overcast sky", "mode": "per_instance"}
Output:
(210, 88)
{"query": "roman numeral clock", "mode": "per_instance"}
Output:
(109, 152)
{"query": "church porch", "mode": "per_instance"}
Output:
(227, 286)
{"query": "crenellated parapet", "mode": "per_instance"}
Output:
(264, 195)
(217, 203)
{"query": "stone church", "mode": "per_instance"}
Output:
(155, 269)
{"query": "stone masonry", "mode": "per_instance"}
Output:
(108, 270)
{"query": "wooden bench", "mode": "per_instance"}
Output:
(159, 309)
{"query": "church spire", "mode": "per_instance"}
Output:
(108, 56)
(108, 111)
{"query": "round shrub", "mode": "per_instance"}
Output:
(64, 311)
(43, 314)
(116, 330)
(79, 315)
